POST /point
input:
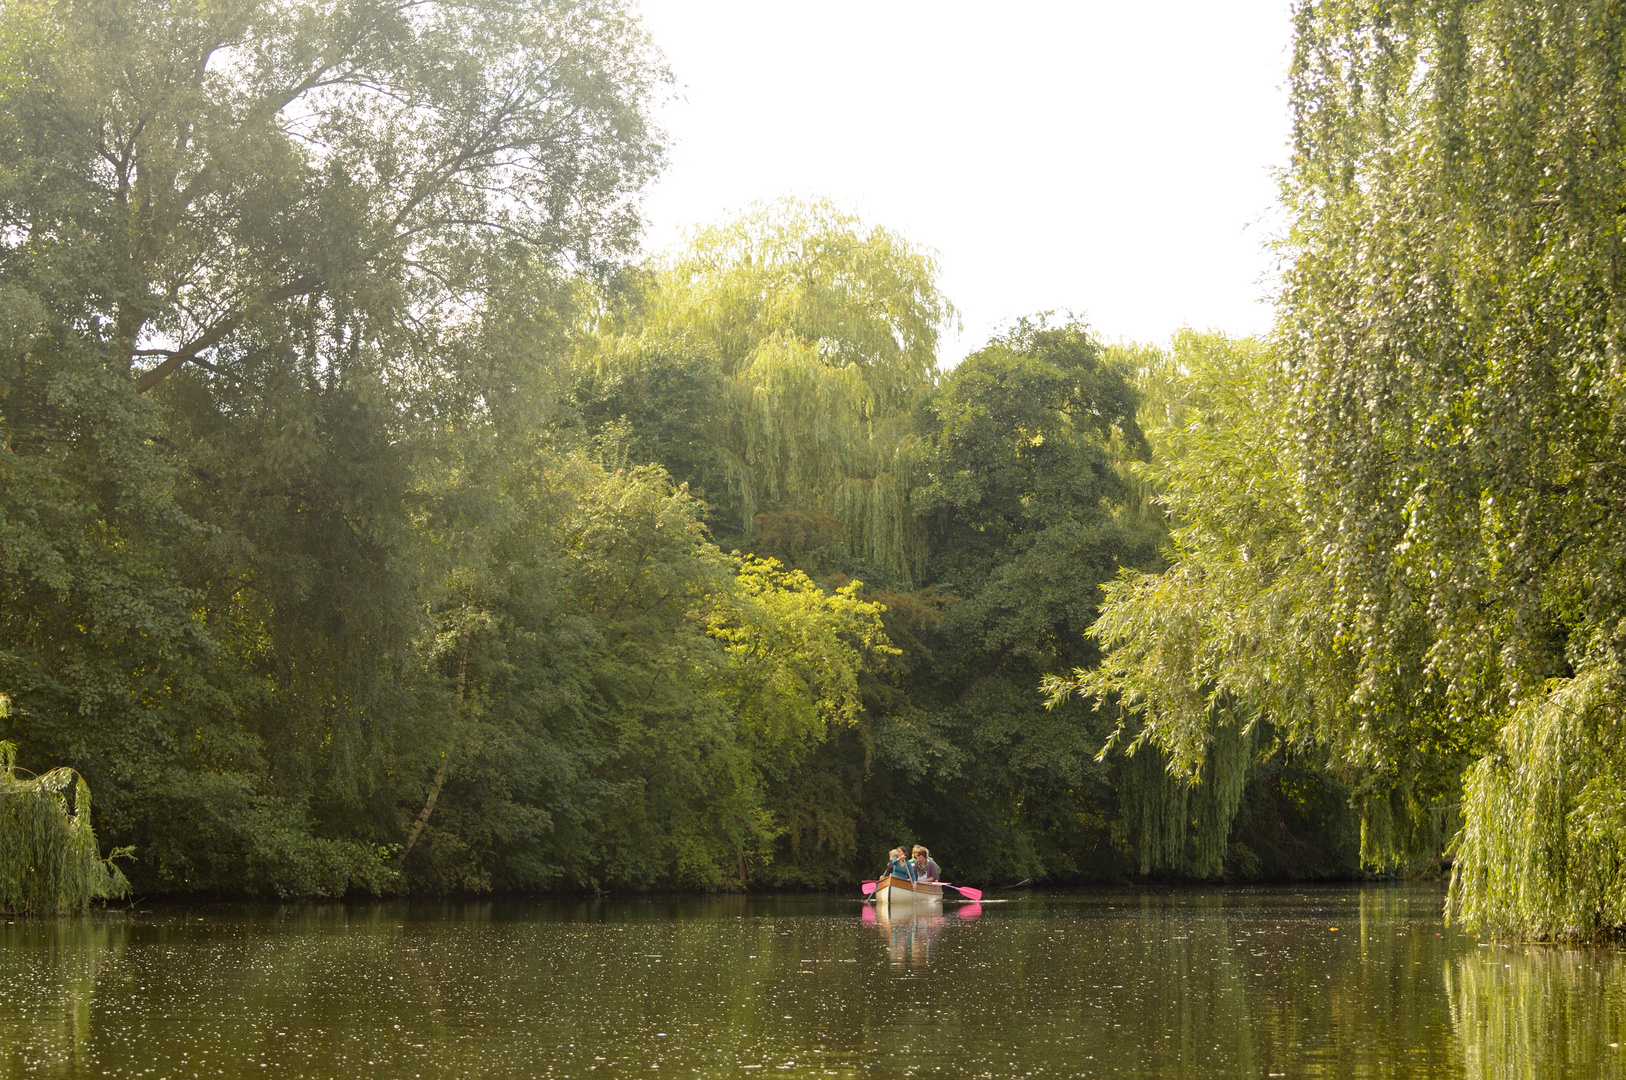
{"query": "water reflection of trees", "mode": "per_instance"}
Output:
(1539, 1012)
(59, 963)
(1146, 987)
(1183, 984)
(1217, 984)
(1190, 995)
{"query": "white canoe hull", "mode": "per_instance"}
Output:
(898, 893)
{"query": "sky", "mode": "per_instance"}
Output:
(1112, 159)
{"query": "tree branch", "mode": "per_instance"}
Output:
(987, 669)
(213, 336)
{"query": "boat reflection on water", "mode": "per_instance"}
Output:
(912, 933)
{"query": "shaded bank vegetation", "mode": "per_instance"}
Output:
(371, 521)
(373, 517)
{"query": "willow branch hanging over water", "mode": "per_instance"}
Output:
(1455, 316)
(49, 861)
(1235, 632)
(1543, 854)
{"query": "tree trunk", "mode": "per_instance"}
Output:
(987, 670)
(445, 762)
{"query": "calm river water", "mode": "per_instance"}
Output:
(1345, 982)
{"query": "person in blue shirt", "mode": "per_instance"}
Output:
(899, 865)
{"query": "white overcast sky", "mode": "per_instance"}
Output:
(1111, 158)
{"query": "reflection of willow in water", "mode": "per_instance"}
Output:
(1387, 961)
(1539, 1012)
(1193, 1002)
(1197, 984)
(60, 962)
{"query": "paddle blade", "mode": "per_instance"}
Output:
(968, 892)
(868, 887)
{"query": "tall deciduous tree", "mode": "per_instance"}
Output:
(1028, 509)
(201, 169)
(246, 250)
(1213, 659)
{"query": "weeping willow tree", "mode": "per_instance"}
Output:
(1182, 648)
(1455, 316)
(1414, 553)
(1543, 851)
(1182, 823)
(819, 334)
(49, 861)
(1234, 632)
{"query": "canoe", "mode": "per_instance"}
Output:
(901, 892)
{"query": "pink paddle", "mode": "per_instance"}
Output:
(868, 887)
(964, 890)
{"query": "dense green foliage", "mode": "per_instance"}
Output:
(1467, 448)
(1217, 668)
(1467, 445)
(370, 520)
(982, 510)
(1018, 473)
(774, 364)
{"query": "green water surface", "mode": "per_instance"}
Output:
(1345, 982)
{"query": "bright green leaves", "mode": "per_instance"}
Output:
(626, 696)
(861, 296)
(1542, 853)
(1453, 316)
(742, 668)
(1455, 297)
(1235, 635)
(1193, 656)
(795, 652)
(1230, 618)
(1396, 532)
